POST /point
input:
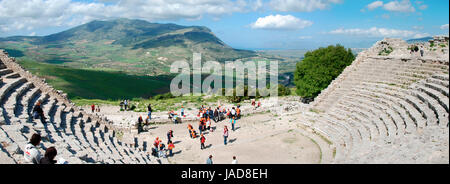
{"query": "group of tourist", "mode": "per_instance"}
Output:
(124, 105)
(95, 108)
(33, 155)
(159, 149)
(416, 49)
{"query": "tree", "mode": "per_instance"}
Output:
(319, 68)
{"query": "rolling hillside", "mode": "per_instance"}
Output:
(131, 46)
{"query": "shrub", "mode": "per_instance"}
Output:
(319, 68)
(283, 90)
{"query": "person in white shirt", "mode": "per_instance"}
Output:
(31, 153)
(234, 160)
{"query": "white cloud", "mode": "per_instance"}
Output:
(399, 6)
(375, 5)
(301, 5)
(32, 34)
(52, 13)
(280, 22)
(444, 27)
(418, 27)
(305, 37)
(421, 35)
(375, 32)
(395, 6)
(423, 7)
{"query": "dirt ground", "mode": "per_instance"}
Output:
(262, 138)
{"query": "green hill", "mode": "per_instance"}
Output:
(92, 84)
(131, 46)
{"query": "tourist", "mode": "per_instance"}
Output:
(125, 104)
(234, 160)
(149, 109)
(202, 142)
(259, 104)
(38, 112)
(216, 115)
(233, 122)
(182, 111)
(225, 135)
(171, 114)
(421, 51)
(169, 136)
(233, 112)
(31, 153)
(121, 105)
(162, 154)
(147, 120)
(238, 113)
(49, 156)
(98, 108)
(175, 119)
(209, 124)
(209, 161)
(93, 108)
(200, 126)
(139, 124)
(156, 143)
(190, 129)
(211, 113)
(170, 147)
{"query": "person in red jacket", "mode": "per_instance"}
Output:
(93, 108)
(202, 142)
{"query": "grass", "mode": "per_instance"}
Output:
(314, 141)
(334, 152)
(314, 110)
(157, 104)
(102, 85)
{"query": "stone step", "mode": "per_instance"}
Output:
(410, 125)
(438, 110)
(395, 121)
(377, 128)
(437, 95)
(412, 99)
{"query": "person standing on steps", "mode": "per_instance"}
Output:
(421, 51)
(209, 161)
(225, 135)
(202, 142)
(38, 112)
(31, 153)
(125, 103)
(93, 108)
(139, 124)
(149, 109)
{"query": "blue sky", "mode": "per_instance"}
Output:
(247, 24)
